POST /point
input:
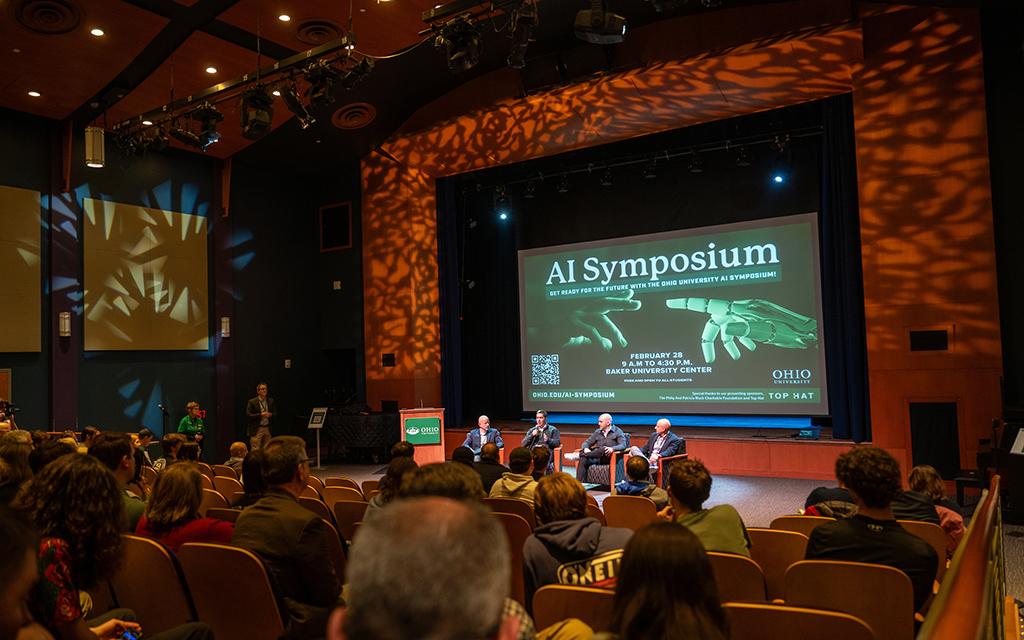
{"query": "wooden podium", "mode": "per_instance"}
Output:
(424, 429)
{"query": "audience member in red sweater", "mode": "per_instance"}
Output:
(172, 514)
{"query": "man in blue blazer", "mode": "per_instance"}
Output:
(662, 444)
(480, 436)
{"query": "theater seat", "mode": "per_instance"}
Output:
(780, 622)
(554, 603)
(629, 512)
(739, 578)
(521, 508)
(518, 530)
(775, 551)
(800, 524)
(149, 583)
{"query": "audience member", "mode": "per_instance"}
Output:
(542, 434)
(16, 470)
(489, 468)
(189, 452)
(872, 476)
(18, 573)
(925, 479)
(542, 462)
(402, 449)
(137, 485)
(567, 547)
(172, 514)
(389, 485)
(455, 481)
(145, 439)
(252, 480)
(830, 502)
(76, 505)
(291, 540)
(47, 452)
(661, 444)
(16, 436)
(170, 444)
(191, 425)
(719, 528)
(115, 451)
(517, 482)
(430, 537)
(671, 596)
(463, 455)
(88, 435)
(598, 448)
(38, 437)
(484, 433)
(638, 471)
(913, 505)
(237, 451)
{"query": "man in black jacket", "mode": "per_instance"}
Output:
(291, 540)
(598, 448)
(489, 468)
(260, 412)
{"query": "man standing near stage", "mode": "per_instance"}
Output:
(598, 448)
(260, 411)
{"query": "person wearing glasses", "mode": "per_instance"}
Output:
(291, 540)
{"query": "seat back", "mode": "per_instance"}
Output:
(205, 469)
(333, 494)
(779, 622)
(518, 530)
(521, 508)
(594, 511)
(739, 578)
(227, 515)
(316, 482)
(630, 512)
(212, 500)
(881, 596)
(231, 591)
(342, 481)
(149, 476)
(664, 466)
(335, 552)
(318, 507)
(146, 564)
(800, 524)
(592, 500)
(934, 535)
(369, 486)
(311, 492)
(226, 486)
(347, 513)
(207, 481)
(225, 471)
(775, 550)
(553, 603)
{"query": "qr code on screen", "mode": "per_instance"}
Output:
(544, 369)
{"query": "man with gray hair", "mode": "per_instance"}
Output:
(291, 540)
(662, 444)
(432, 538)
(598, 448)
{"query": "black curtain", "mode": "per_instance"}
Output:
(842, 279)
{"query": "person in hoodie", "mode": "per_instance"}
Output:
(638, 471)
(567, 547)
(518, 482)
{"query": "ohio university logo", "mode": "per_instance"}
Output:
(791, 376)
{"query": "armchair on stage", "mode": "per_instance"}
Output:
(608, 474)
(660, 479)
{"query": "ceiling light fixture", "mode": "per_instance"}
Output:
(357, 74)
(96, 31)
(563, 184)
(211, 70)
(147, 123)
(35, 94)
(650, 170)
(742, 157)
(696, 165)
(95, 149)
(257, 113)
(208, 117)
(598, 25)
(321, 78)
(294, 104)
(284, 17)
(607, 177)
(524, 19)
(462, 44)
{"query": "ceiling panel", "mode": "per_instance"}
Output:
(70, 68)
(380, 27)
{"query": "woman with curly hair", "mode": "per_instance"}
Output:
(172, 513)
(76, 505)
(666, 589)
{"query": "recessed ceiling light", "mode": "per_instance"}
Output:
(96, 32)
(211, 69)
(148, 123)
(284, 17)
(276, 92)
(16, 50)
(34, 94)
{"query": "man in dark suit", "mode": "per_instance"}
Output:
(489, 468)
(260, 412)
(480, 436)
(291, 540)
(662, 444)
(598, 448)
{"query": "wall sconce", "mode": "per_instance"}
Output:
(225, 327)
(64, 324)
(95, 151)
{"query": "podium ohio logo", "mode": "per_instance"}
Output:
(427, 431)
(413, 431)
(791, 376)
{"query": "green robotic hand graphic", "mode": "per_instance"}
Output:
(593, 319)
(749, 322)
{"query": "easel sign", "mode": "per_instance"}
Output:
(316, 422)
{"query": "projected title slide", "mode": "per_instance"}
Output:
(713, 320)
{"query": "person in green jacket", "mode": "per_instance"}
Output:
(719, 528)
(191, 426)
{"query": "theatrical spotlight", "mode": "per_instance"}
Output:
(357, 74)
(294, 104)
(598, 25)
(742, 158)
(321, 78)
(696, 165)
(650, 170)
(185, 136)
(159, 141)
(563, 184)
(461, 42)
(208, 117)
(530, 191)
(501, 206)
(524, 19)
(607, 177)
(257, 112)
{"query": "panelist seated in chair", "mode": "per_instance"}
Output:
(480, 436)
(637, 483)
(598, 448)
(662, 444)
